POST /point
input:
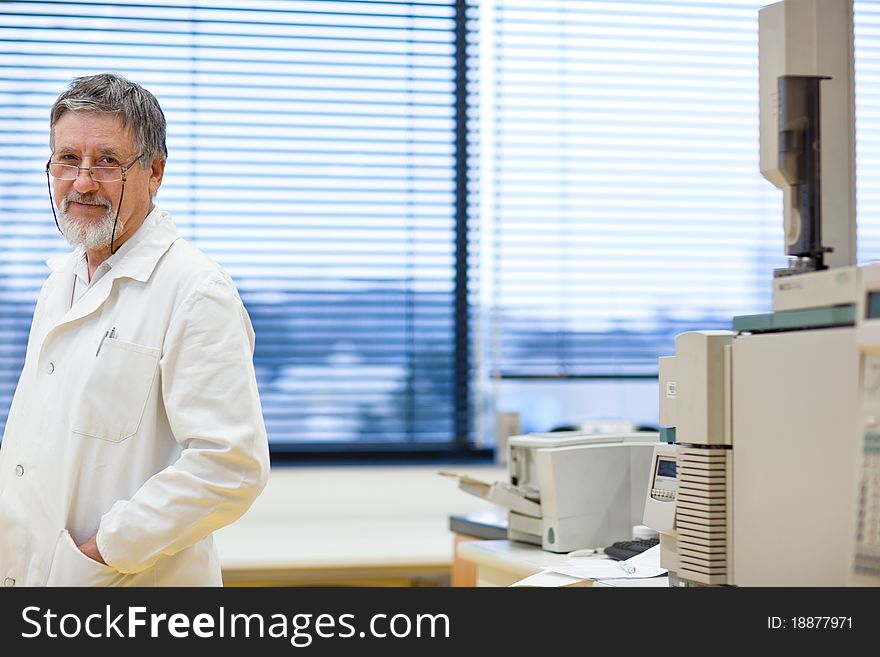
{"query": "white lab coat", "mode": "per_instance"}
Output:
(154, 441)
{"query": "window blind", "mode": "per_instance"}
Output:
(315, 153)
(866, 28)
(628, 203)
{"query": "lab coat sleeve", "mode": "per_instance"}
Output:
(210, 395)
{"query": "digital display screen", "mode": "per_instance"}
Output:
(872, 307)
(666, 468)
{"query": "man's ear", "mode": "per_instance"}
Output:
(157, 170)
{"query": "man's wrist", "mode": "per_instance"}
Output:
(90, 549)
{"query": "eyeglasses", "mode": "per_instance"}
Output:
(99, 174)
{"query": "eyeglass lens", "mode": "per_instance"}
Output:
(98, 174)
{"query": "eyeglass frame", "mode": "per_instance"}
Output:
(123, 170)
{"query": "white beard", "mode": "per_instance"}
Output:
(93, 235)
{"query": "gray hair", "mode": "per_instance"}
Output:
(111, 93)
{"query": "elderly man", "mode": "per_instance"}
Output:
(136, 428)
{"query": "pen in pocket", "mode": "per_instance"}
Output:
(109, 333)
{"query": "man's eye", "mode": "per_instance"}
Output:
(107, 162)
(69, 158)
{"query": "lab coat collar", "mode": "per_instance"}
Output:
(137, 258)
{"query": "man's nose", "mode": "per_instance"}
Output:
(84, 182)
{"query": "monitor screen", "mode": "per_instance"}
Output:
(872, 305)
(666, 468)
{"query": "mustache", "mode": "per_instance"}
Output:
(75, 197)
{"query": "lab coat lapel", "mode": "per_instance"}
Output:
(57, 299)
(91, 301)
(137, 264)
(59, 314)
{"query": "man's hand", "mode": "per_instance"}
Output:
(90, 549)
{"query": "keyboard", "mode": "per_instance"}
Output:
(622, 550)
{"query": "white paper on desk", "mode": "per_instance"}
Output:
(548, 578)
(646, 564)
(659, 582)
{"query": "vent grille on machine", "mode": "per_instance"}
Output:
(701, 515)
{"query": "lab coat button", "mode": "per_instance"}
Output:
(9, 582)
(50, 368)
(19, 470)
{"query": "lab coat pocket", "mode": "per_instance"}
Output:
(70, 567)
(115, 392)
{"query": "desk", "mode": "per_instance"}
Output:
(490, 524)
(501, 563)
